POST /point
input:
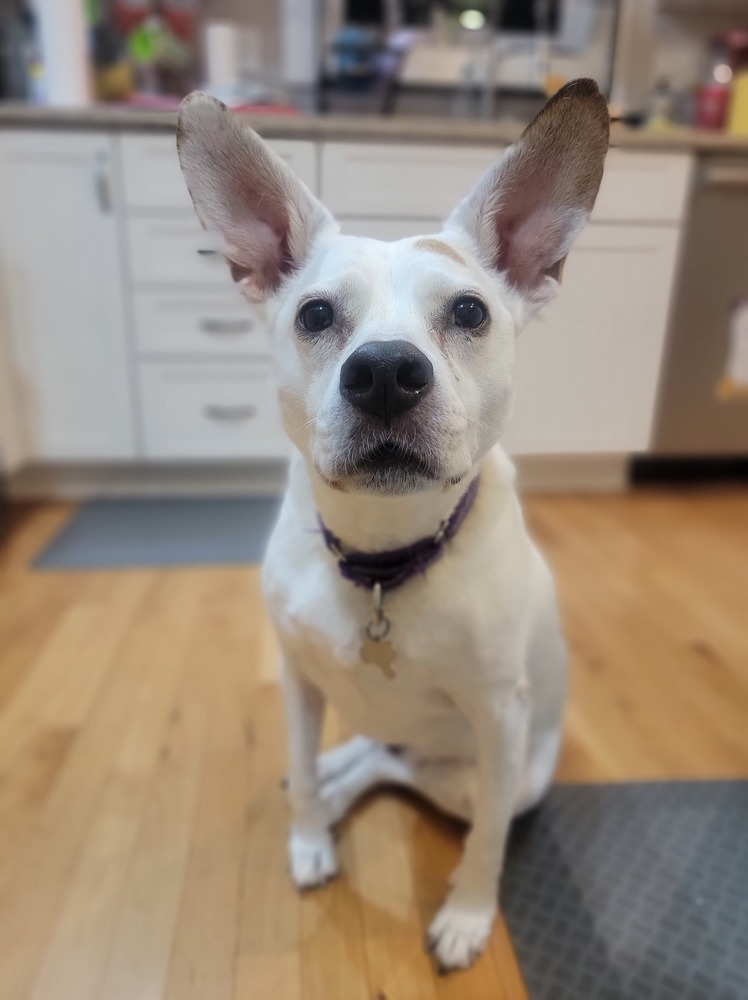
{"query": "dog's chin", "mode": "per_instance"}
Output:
(387, 470)
(389, 482)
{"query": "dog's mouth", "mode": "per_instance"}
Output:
(388, 467)
(390, 455)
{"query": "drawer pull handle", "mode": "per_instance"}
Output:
(207, 253)
(214, 411)
(102, 183)
(226, 326)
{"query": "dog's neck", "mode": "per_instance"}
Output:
(379, 523)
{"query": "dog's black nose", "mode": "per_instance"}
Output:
(386, 377)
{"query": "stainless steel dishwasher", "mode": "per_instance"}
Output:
(701, 411)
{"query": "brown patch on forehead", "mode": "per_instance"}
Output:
(436, 246)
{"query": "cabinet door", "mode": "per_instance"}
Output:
(588, 365)
(12, 444)
(63, 296)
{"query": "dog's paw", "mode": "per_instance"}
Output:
(458, 934)
(312, 858)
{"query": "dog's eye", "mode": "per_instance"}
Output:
(316, 316)
(468, 312)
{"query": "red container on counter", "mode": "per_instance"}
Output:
(712, 102)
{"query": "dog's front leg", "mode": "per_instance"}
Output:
(311, 850)
(462, 926)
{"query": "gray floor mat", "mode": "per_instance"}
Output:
(632, 892)
(112, 534)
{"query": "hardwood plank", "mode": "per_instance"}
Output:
(139, 964)
(333, 954)
(35, 889)
(657, 646)
(206, 934)
(269, 944)
(81, 939)
(383, 879)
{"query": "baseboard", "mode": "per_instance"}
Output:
(81, 482)
(536, 474)
(688, 470)
(572, 473)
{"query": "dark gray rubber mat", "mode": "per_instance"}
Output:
(632, 892)
(114, 534)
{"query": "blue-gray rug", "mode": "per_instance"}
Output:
(118, 534)
(632, 892)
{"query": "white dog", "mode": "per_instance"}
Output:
(400, 577)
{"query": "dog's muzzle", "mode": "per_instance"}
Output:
(386, 378)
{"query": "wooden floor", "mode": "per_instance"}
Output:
(142, 824)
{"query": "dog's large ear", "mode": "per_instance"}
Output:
(526, 211)
(244, 193)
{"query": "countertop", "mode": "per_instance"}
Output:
(360, 128)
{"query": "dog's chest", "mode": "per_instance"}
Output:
(407, 703)
(407, 698)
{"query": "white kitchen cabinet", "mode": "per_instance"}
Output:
(211, 411)
(214, 324)
(400, 181)
(645, 187)
(204, 376)
(113, 316)
(63, 297)
(173, 250)
(588, 365)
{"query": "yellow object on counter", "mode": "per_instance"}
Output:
(737, 122)
(552, 83)
(114, 83)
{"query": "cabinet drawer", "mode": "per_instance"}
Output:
(426, 182)
(408, 181)
(198, 324)
(168, 250)
(211, 411)
(643, 187)
(152, 177)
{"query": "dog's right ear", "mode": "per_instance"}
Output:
(244, 193)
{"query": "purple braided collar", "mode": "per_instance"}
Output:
(394, 568)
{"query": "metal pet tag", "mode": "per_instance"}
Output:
(376, 649)
(380, 653)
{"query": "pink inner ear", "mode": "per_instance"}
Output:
(539, 213)
(529, 245)
(258, 246)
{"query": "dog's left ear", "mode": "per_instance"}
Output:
(247, 195)
(526, 211)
